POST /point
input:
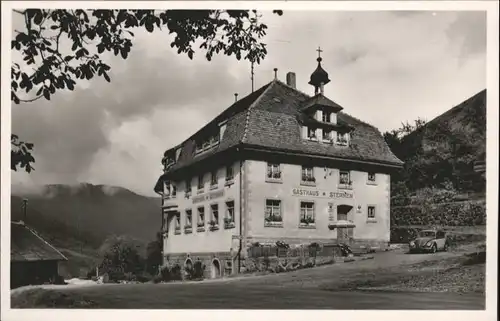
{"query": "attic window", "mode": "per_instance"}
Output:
(327, 117)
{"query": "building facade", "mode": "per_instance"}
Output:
(277, 165)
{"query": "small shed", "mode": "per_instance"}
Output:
(32, 259)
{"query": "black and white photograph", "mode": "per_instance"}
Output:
(248, 156)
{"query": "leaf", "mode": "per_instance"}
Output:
(124, 53)
(69, 83)
(46, 93)
(68, 58)
(37, 19)
(106, 76)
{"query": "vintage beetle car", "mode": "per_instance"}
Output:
(430, 241)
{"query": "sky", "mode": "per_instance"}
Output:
(385, 68)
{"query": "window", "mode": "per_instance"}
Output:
(188, 187)
(214, 179)
(308, 174)
(206, 144)
(273, 171)
(371, 212)
(342, 139)
(273, 213)
(326, 117)
(214, 222)
(311, 133)
(189, 219)
(214, 140)
(199, 146)
(229, 219)
(344, 178)
(174, 191)
(177, 222)
(306, 213)
(327, 134)
(371, 177)
(201, 217)
(229, 173)
(201, 184)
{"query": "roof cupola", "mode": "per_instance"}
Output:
(319, 77)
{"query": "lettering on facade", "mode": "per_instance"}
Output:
(321, 194)
(208, 196)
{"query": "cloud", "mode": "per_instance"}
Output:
(385, 68)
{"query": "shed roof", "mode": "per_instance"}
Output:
(26, 245)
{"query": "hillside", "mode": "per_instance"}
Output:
(443, 151)
(77, 219)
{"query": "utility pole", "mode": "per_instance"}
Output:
(25, 209)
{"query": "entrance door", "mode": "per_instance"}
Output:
(344, 234)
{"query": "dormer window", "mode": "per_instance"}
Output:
(342, 139)
(214, 140)
(327, 117)
(311, 133)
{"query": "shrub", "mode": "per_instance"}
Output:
(121, 255)
(143, 277)
(157, 279)
(198, 270)
(173, 273)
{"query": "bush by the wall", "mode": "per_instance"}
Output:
(448, 214)
(197, 271)
(171, 273)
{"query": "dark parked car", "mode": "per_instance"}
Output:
(430, 241)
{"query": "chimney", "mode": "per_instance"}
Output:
(275, 73)
(290, 80)
(235, 97)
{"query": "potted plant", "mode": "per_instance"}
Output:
(213, 225)
(228, 222)
(307, 220)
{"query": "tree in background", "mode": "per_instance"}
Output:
(154, 255)
(121, 255)
(60, 47)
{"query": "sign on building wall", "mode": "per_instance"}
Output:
(208, 196)
(331, 212)
(321, 193)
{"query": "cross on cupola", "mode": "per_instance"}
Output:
(319, 51)
(319, 77)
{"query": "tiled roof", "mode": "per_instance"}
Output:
(270, 118)
(26, 245)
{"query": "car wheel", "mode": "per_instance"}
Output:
(434, 248)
